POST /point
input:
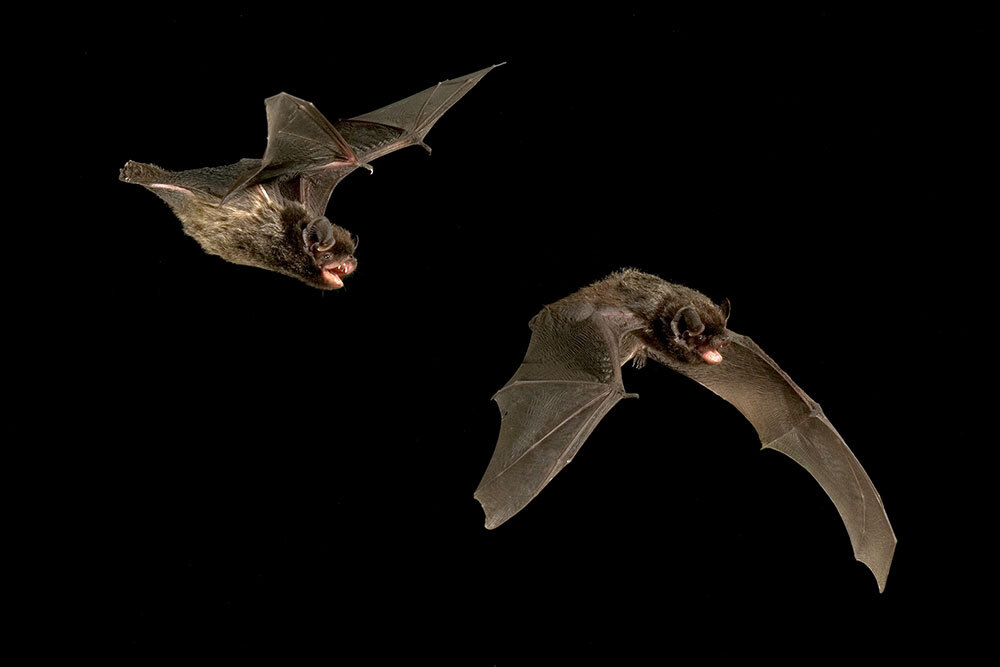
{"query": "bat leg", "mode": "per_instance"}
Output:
(144, 174)
(159, 181)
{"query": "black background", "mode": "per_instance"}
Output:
(278, 467)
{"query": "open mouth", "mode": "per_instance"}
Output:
(334, 273)
(710, 355)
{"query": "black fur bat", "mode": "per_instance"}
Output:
(571, 377)
(269, 213)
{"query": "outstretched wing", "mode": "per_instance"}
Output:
(792, 423)
(569, 379)
(401, 124)
(303, 144)
(415, 116)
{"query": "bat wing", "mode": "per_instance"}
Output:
(401, 124)
(792, 423)
(414, 116)
(302, 143)
(569, 379)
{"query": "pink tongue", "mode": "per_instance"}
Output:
(711, 356)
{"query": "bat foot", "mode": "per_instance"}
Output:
(142, 174)
(640, 358)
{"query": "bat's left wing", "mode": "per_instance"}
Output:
(302, 144)
(792, 423)
(401, 124)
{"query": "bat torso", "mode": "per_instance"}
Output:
(629, 302)
(248, 229)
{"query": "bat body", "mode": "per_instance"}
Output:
(571, 377)
(270, 212)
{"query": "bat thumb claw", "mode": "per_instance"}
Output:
(425, 147)
(630, 395)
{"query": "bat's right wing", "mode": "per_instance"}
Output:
(569, 379)
(792, 423)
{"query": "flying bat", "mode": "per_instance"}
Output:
(270, 212)
(571, 377)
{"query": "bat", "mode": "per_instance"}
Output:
(270, 212)
(571, 377)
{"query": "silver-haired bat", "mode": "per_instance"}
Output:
(571, 377)
(269, 213)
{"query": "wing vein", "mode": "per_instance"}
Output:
(518, 383)
(444, 104)
(546, 436)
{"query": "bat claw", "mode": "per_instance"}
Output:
(125, 173)
(425, 147)
(371, 169)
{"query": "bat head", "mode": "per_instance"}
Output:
(693, 328)
(329, 250)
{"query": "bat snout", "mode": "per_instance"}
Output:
(334, 272)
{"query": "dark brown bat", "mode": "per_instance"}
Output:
(571, 377)
(269, 213)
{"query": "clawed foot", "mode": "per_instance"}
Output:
(142, 174)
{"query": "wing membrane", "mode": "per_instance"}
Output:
(416, 115)
(302, 142)
(569, 379)
(792, 423)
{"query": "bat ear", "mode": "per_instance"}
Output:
(687, 316)
(318, 235)
(725, 308)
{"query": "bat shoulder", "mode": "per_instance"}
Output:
(566, 311)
